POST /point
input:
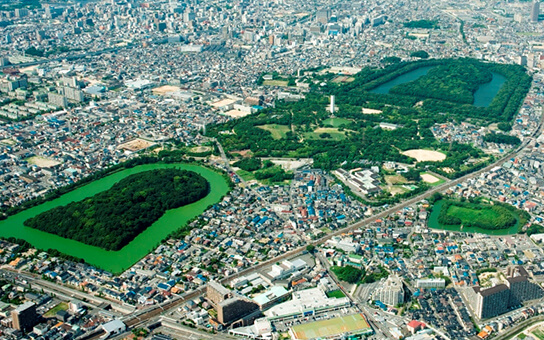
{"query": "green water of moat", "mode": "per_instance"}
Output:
(115, 261)
(482, 97)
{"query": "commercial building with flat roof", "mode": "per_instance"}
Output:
(271, 296)
(306, 302)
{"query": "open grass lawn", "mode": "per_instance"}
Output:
(53, 311)
(395, 179)
(336, 294)
(275, 82)
(469, 215)
(397, 189)
(269, 182)
(326, 230)
(277, 131)
(334, 134)
(337, 122)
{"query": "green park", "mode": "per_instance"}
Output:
(405, 99)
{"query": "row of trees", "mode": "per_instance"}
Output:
(111, 219)
(422, 24)
(501, 138)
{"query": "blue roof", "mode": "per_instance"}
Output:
(163, 286)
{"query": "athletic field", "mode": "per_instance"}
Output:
(354, 323)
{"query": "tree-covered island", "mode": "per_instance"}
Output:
(113, 218)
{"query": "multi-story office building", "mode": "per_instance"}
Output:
(535, 11)
(24, 317)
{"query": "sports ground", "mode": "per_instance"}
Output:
(349, 324)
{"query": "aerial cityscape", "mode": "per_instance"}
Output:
(328, 169)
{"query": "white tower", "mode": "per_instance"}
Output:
(331, 108)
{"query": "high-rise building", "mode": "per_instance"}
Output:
(230, 306)
(234, 309)
(72, 94)
(21, 12)
(535, 11)
(497, 300)
(24, 317)
(225, 32)
(521, 289)
(189, 16)
(490, 302)
(331, 107)
(391, 292)
(57, 99)
(322, 16)
(40, 35)
(216, 293)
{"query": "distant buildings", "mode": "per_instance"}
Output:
(497, 300)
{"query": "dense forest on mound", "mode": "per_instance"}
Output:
(478, 215)
(113, 218)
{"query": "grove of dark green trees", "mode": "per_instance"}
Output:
(113, 218)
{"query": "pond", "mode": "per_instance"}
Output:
(115, 261)
(486, 92)
(403, 78)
